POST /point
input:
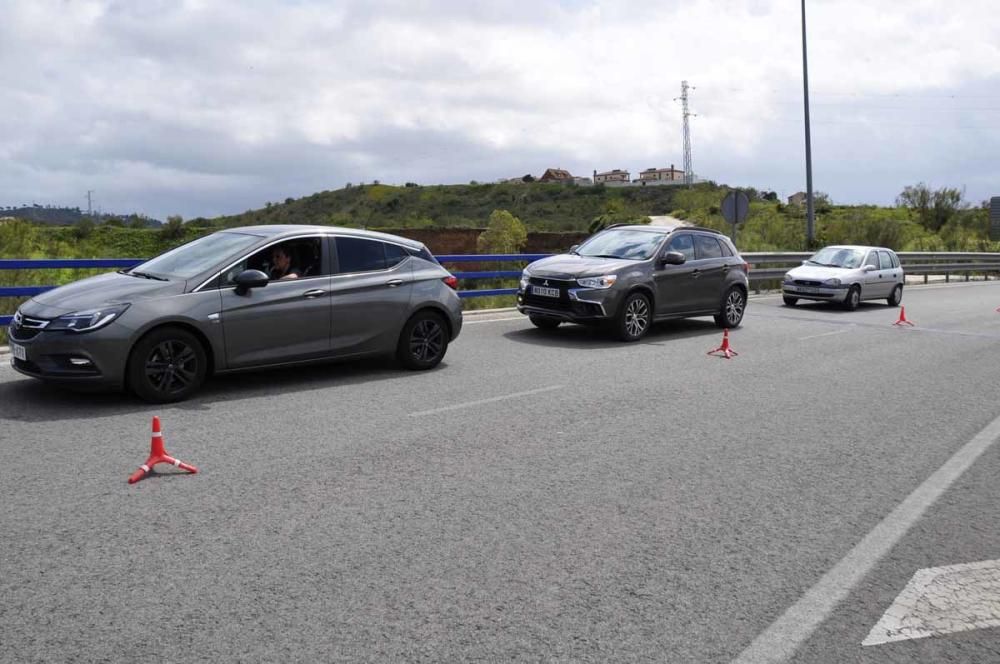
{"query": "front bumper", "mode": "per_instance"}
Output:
(573, 304)
(818, 293)
(93, 359)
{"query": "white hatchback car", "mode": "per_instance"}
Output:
(848, 275)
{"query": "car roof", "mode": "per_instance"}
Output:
(663, 230)
(862, 247)
(291, 230)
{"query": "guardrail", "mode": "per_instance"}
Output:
(765, 266)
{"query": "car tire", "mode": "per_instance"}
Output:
(544, 323)
(634, 318)
(423, 341)
(169, 364)
(853, 298)
(896, 296)
(734, 305)
(790, 301)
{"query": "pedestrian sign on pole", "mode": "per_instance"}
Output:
(735, 208)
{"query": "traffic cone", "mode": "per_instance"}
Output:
(902, 318)
(724, 350)
(158, 455)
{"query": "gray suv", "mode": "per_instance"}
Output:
(241, 299)
(628, 277)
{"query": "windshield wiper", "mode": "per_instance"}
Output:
(146, 275)
(603, 256)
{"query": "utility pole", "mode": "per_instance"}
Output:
(810, 208)
(90, 207)
(688, 168)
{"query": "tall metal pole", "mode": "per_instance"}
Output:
(810, 209)
(688, 167)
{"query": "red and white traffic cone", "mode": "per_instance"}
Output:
(902, 318)
(724, 350)
(157, 454)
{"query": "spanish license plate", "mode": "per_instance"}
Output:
(803, 289)
(545, 292)
(19, 352)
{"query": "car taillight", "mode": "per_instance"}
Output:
(451, 281)
(746, 267)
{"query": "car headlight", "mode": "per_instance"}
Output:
(88, 320)
(524, 279)
(788, 279)
(832, 282)
(607, 281)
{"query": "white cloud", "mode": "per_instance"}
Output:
(213, 107)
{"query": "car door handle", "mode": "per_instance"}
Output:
(316, 292)
(392, 283)
(695, 273)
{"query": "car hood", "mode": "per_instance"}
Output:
(100, 290)
(819, 273)
(572, 266)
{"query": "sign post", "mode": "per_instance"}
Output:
(735, 208)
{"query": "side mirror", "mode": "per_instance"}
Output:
(673, 258)
(573, 249)
(870, 268)
(248, 279)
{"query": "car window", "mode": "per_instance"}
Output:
(895, 259)
(394, 254)
(707, 247)
(872, 259)
(727, 249)
(359, 255)
(885, 260)
(684, 243)
(304, 260)
(193, 258)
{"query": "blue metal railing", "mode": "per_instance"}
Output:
(119, 263)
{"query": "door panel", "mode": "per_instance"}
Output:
(674, 283)
(709, 274)
(283, 321)
(370, 307)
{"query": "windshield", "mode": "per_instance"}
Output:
(196, 256)
(630, 244)
(838, 257)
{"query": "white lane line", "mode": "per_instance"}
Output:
(784, 636)
(480, 402)
(825, 334)
(942, 600)
(493, 320)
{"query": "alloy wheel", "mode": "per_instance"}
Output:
(636, 316)
(171, 367)
(426, 340)
(734, 307)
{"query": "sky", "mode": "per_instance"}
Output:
(211, 107)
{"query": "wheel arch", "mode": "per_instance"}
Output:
(187, 327)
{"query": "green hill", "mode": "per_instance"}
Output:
(542, 207)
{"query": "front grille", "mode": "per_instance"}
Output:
(25, 327)
(19, 333)
(562, 303)
(803, 282)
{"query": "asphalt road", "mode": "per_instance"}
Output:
(542, 496)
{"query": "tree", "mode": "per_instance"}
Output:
(173, 229)
(528, 178)
(933, 209)
(504, 234)
(83, 228)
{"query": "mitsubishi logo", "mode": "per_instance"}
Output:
(545, 283)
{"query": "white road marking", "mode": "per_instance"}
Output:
(942, 600)
(480, 402)
(784, 636)
(826, 334)
(493, 320)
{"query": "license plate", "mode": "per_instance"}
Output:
(803, 289)
(545, 292)
(19, 352)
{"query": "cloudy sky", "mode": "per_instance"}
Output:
(208, 107)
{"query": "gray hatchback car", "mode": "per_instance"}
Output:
(240, 299)
(627, 277)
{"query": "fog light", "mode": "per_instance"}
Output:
(80, 362)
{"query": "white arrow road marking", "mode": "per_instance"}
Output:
(942, 600)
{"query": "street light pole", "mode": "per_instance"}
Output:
(810, 209)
